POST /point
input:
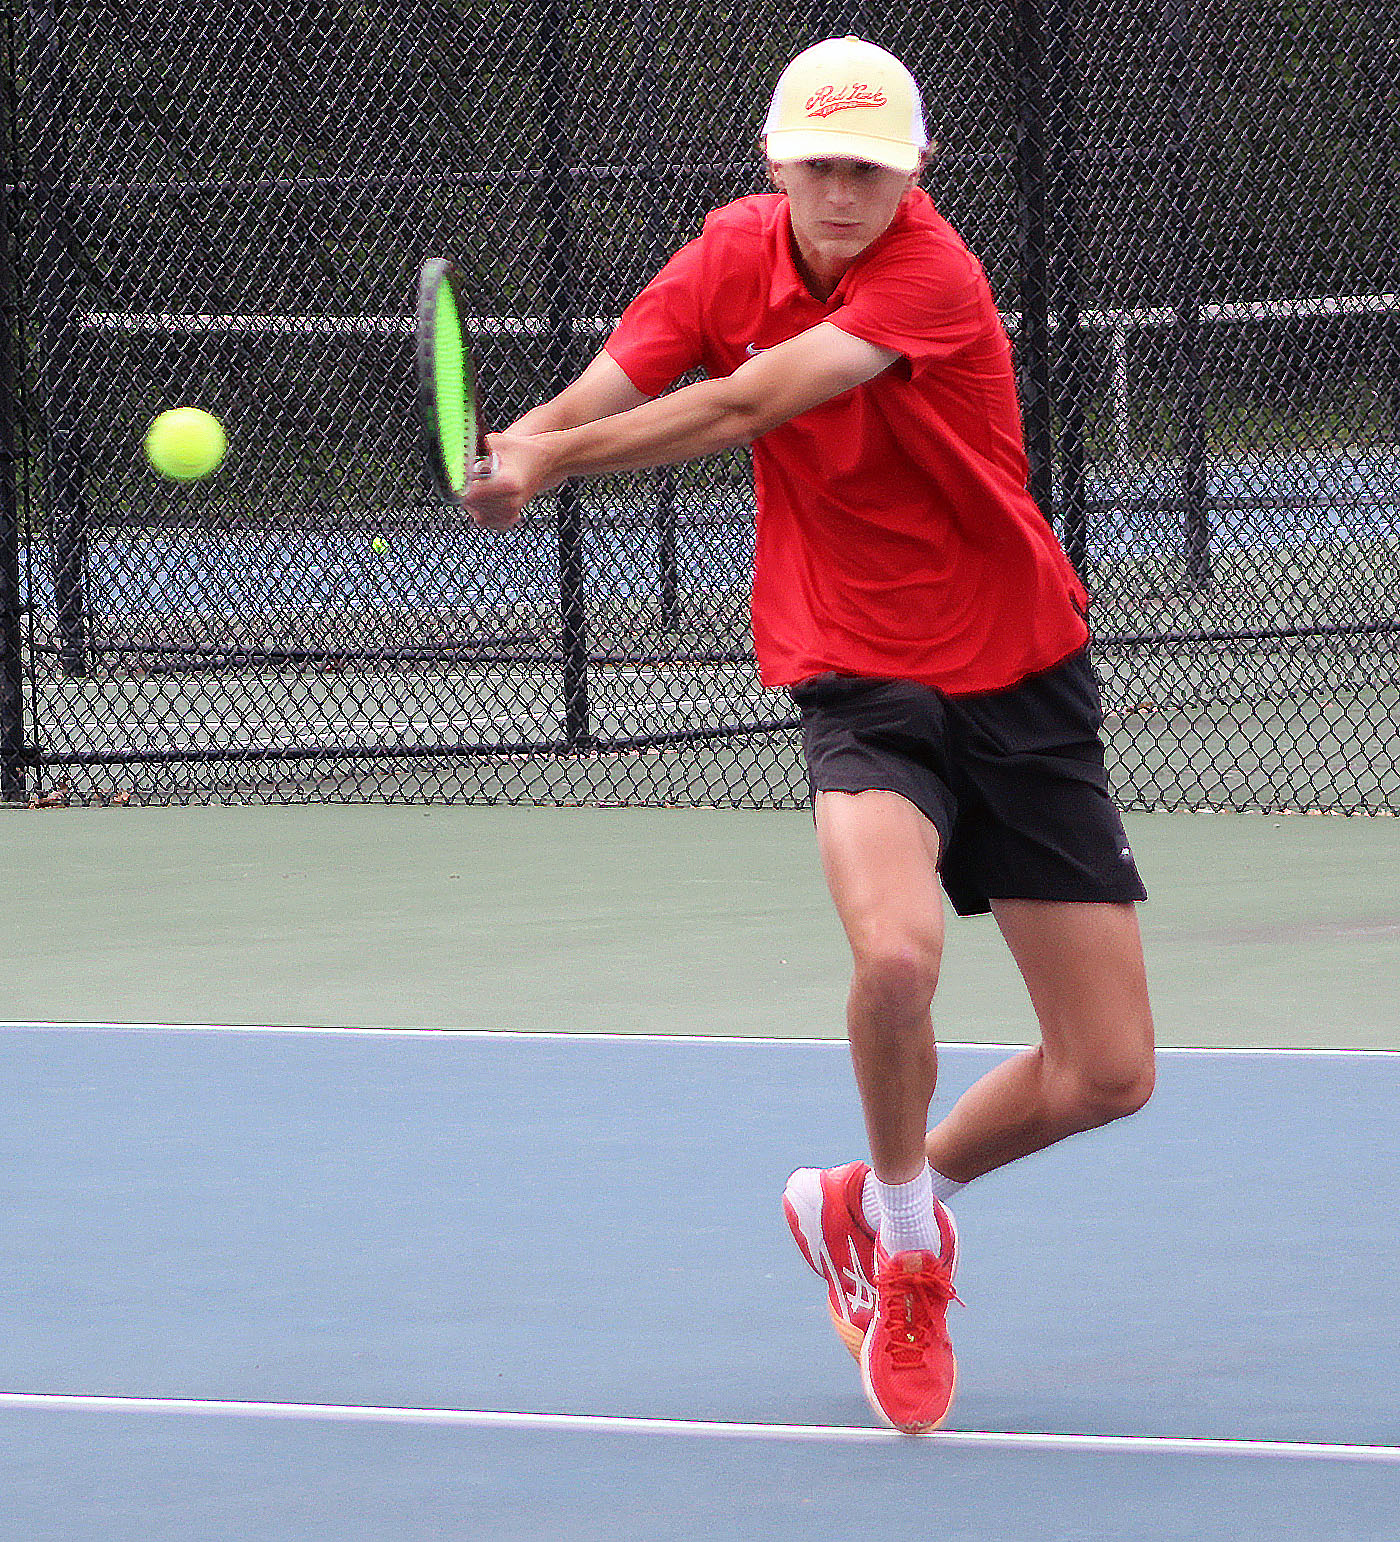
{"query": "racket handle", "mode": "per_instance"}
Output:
(486, 466)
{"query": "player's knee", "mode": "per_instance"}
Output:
(897, 972)
(1092, 1092)
(1116, 1088)
(1131, 1092)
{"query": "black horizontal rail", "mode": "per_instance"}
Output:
(204, 186)
(1246, 635)
(378, 750)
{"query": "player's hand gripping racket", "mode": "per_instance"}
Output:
(453, 436)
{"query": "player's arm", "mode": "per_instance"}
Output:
(599, 392)
(703, 419)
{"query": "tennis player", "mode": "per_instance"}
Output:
(913, 599)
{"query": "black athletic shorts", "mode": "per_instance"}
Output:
(1013, 780)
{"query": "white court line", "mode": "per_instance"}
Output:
(620, 1424)
(592, 1036)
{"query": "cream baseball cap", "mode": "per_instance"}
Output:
(846, 98)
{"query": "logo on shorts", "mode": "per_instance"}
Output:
(1125, 855)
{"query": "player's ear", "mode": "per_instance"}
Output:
(775, 176)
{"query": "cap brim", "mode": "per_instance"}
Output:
(814, 144)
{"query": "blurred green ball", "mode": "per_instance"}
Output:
(185, 443)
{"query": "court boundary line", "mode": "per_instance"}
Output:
(627, 1424)
(351, 1030)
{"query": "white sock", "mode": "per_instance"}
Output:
(943, 1190)
(906, 1215)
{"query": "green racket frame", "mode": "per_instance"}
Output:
(453, 436)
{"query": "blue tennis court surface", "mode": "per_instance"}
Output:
(285, 1284)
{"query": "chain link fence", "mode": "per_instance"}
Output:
(1189, 211)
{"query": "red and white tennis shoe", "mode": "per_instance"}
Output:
(907, 1361)
(824, 1210)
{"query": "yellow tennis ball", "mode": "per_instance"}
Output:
(185, 443)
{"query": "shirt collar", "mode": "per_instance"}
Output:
(786, 283)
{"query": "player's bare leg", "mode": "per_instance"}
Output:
(880, 856)
(1083, 966)
(881, 860)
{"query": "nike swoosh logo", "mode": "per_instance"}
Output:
(753, 349)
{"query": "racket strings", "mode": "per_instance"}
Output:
(456, 419)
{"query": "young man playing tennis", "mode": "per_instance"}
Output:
(913, 599)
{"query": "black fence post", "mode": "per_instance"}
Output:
(1033, 338)
(1191, 404)
(665, 477)
(1392, 376)
(670, 608)
(12, 747)
(561, 272)
(1073, 382)
(56, 352)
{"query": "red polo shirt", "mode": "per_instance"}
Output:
(896, 538)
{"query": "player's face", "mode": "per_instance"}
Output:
(838, 208)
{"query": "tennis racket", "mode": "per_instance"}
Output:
(453, 438)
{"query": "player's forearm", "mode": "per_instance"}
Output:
(600, 391)
(701, 419)
(560, 412)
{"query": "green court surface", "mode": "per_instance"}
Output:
(1262, 930)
